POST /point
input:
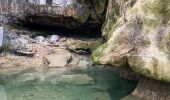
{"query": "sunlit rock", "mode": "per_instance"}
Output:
(39, 39)
(54, 39)
(140, 39)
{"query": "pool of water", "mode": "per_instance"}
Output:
(92, 83)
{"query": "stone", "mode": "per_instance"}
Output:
(2, 93)
(26, 77)
(39, 39)
(54, 39)
(58, 60)
(20, 42)
(77, 79)
(1, 36)
(28, 53)
(84, 46)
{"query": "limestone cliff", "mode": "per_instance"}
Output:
(138, 37)
(53, 11)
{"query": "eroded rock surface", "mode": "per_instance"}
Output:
(139, 39)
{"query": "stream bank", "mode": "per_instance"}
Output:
(61, 69)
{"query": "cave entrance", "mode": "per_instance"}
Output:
(59, 25)
(83, 31)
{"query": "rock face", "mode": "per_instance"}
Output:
(148, 89)
(139, 38)
(63, 12)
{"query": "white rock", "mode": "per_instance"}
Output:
(54, 39)
(39, 39)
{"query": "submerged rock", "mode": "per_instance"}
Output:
(77, 79)
(26, 77)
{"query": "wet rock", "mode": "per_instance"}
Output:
(132, 97)
(77, 79)
(100, 96)
(54, 39)
(39, 39)
(2, 93)
(58, 60)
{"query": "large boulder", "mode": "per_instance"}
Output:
(140, 39)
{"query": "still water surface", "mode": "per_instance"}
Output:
(85, 84)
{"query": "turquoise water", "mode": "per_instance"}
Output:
(88, 84)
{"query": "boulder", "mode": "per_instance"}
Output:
(54, 39)
(140, 39)
(39, 39)
(77, 79)
(82, 46)
(20, 42)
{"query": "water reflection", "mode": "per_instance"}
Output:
(2, 93)
(87, 84)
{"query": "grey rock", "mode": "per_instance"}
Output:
(20, 42)
(54, 39)
(39, 39)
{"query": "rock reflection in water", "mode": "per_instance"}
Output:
(86, 84)
(2, 93)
